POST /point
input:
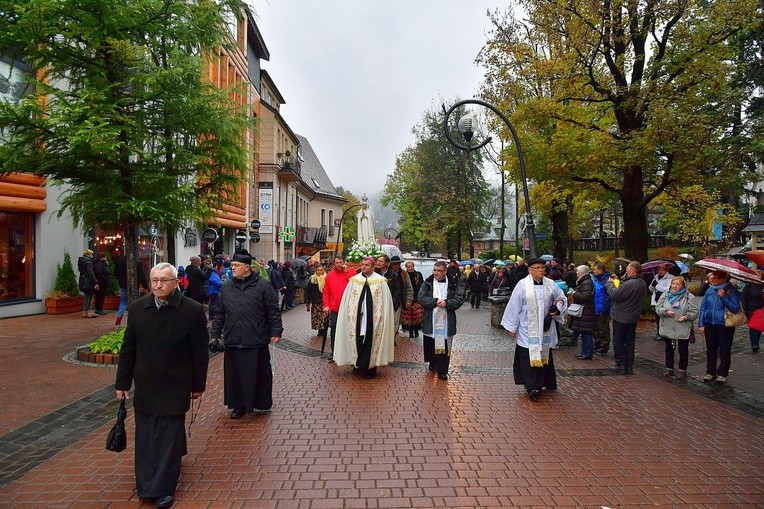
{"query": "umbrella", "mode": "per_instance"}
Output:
(756, 256)
(499, 262)
(117, 439)
(652, 266)
(683, 267)
(732, 268)
(509, 261)
(547, 257)
(490, 261)
(297, 262)
(514, 257)
(221, 256)
(686, 256)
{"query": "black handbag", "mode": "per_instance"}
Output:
(117, 439)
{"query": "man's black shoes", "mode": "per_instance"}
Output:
(165, 501)
(237, 413)
(534, 394)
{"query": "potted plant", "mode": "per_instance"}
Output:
(111, 301)
(65, 296)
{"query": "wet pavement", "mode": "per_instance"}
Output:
(403, 439)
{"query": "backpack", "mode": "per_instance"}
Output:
(600, 297)
(225, 274)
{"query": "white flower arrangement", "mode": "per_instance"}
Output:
(360, 250)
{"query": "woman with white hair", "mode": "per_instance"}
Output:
(584, 324)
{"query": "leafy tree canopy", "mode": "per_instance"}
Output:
(632, 97)
(120, 107)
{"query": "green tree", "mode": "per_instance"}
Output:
(122, 112)
(437, 189)
(629, 96)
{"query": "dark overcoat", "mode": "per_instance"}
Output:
(166, 353)
(248, 314)
(584, 294)
(454, 300)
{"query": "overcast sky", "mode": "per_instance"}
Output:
(357, 75)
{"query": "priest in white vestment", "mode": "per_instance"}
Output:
(365, 323)
(535, 304)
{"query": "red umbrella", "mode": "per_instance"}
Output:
(732, 268)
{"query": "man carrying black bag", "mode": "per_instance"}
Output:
(165, 352)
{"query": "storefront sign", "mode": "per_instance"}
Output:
(210, 235)
(265, 199)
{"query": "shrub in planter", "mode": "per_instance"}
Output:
(66, 282)
(113, 288)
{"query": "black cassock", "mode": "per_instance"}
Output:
(248, 378)
(160, 442)
(533, 378)
(364, 339)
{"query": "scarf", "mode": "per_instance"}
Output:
(538, 339)
(439, 316)
(319, 280)
(674, 297)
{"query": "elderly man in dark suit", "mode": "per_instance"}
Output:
(165, 351)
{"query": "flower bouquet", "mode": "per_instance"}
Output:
(360, 250)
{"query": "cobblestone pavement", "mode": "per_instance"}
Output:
(403, 439)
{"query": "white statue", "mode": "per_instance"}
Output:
(365, 223)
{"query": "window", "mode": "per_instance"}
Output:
(16, 256)
(323, 218)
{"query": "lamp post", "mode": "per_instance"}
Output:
(339, 230)
(466, 127)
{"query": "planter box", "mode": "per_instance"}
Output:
(85, 355)
(63, 306)
(111, 302)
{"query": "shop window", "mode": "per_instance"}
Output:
(16, 256)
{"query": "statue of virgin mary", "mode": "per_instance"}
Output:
(365, 223)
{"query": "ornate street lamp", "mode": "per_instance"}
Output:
(467, 125)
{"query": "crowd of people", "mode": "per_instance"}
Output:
(361, 313)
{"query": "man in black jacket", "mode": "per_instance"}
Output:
(248, 319)
(198, 277)
(627, 295)
(165, 353)
(440, 295)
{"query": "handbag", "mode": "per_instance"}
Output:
(692, 334)
(575, 310)
(734, 319)
(117, 439)
(756, 322)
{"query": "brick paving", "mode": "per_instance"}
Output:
(403, 439)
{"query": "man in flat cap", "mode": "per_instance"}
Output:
(535, 303)
(248, 319)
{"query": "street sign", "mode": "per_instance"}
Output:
(210, 235)
(241, 236)
(255, 224)
(254, 237)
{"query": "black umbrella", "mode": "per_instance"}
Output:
(117, 439)
(297, 262)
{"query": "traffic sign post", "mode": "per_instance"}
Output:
(241, 236)
(254, 237)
